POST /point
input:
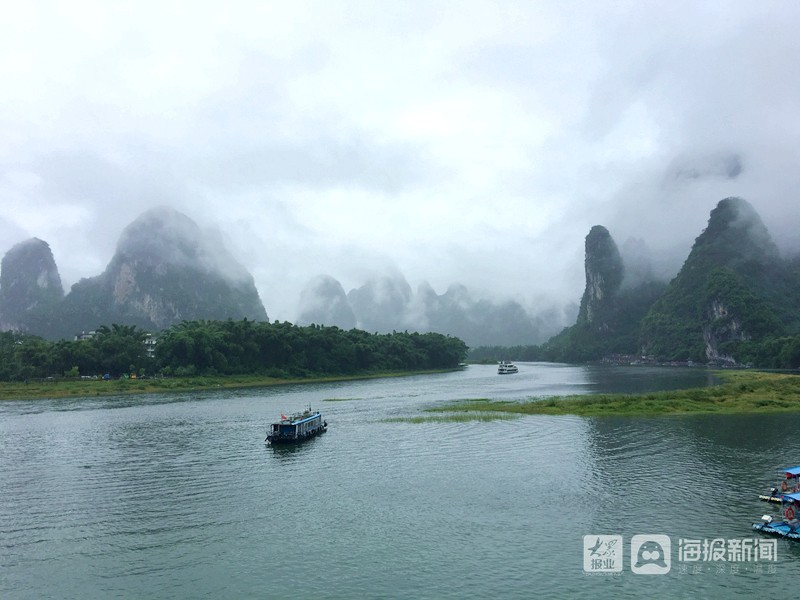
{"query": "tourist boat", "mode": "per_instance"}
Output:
(505, 368)
(296, 428)
(789, 528)
(789, 484)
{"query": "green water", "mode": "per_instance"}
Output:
(178, 496)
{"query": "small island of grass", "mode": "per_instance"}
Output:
(740, 392)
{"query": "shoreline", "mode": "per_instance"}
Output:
(740, 392)
(54, 390)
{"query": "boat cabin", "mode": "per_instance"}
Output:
(789, 484)
(791, 481)
(297, 427)
(505, 367)
(790, 507)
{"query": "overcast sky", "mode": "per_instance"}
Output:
(471, 142)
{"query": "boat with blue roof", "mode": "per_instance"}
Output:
(296, 428)
(790, 484)
(789, 527)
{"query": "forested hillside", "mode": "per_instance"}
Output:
(734, 302)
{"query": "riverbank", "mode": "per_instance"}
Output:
(77, 388)
(740, 392)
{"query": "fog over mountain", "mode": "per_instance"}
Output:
(165, 270)
(323, 302)
(29, 283)
(469, 143)
(385, 304)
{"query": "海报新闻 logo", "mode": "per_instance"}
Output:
(651, 554)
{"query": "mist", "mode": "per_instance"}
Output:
(471, 144)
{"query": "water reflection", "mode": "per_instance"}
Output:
(290, 452)
(641, 379)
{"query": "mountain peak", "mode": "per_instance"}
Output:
(164, 236)
(29, 282)
(604, 271)
(165, 270)
(323, 301)
(735, 237)
(723, 294)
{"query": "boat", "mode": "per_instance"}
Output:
(506, 368)
(789, 484)
(296, 428)
(789, 528)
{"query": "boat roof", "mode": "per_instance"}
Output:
(296, 421)
(794, 496)
(792, 471)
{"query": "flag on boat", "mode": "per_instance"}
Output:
(283, 416)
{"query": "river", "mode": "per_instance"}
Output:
(178, 496)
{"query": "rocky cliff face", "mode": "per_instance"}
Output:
(30, 286)
(610, 313)
(721, 325)
(604, 272)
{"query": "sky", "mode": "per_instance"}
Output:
(469, 142)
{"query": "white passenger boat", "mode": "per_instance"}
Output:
(506, 368)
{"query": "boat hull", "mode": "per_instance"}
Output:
(766, 498)
(276, 440)
(780, 529)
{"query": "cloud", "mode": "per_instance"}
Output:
(470, 142)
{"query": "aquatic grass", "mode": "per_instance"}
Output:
(739, 392)
(452, 418)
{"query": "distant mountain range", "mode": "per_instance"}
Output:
(165, 270)
(387, 303)
(734, 300)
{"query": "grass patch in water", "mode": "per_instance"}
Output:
(452, 418)
(740, 392)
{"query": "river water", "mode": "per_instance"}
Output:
(177, 496)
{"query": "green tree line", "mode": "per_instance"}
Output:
(228, 348)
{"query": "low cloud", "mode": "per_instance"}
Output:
(457, 143)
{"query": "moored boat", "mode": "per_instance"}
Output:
(505, 368)
(789, 528)
(789, 484)
(296, 428)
